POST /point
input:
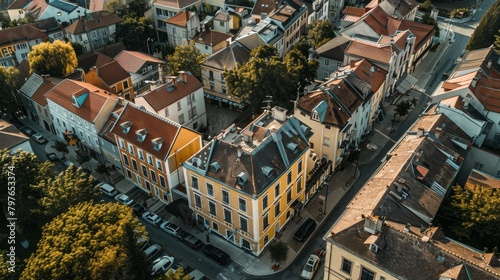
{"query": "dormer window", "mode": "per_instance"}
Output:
(242, 178)
(126, 126)
(77, 101)
(315, 116)
(196, 162)
(293, 147)
(268, 171)
(215, 166)
(157, 143)
(141, 134)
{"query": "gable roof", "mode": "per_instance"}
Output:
(404, 7)
(229, 57)
(133, 61)
(274, 146)
(171, 92)
(22, 33)
(334, 49)
(37, 7)
(90, 59)
(181, 18)
(210, 37)
(180, 4)
(18, 4)
(112, 73)
(91, 107)
(10, 136)
(368, 72)
(92, 21)
(157, 127)
(369, 51)
(479, 178)
(264, 7)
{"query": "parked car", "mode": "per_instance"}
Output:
(39, 138)
(310, 268)
(178, 266)
(190, 240)
(196, 275)
(52, 157)
(138, 209)
(143, 241)
(170, 228)
(162, 264)
(305, 230)
(27, 130)
(107, 189)
(216, 254)
(152, 250)
(151, 218)
(124, 199)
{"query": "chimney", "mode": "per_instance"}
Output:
(161, 75)
(183, 76)
(437, 132)
(488, 65)
(352, 64)
(240, 151)
(420, 132)
(467, 99)
(45, 76)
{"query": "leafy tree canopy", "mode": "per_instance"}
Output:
(476, 210)
(134, 32)
(8, 78)
(186, 58)
(484, 34)
(179, 274)
(279, 251)
(67, 189)
(299, 68)
(27, 171)
(261, 77)
(56, 59)
(496, 44)
(321, 32)
(90, 241)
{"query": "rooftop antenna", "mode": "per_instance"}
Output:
(268, 101)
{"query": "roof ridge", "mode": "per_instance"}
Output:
(169, 121)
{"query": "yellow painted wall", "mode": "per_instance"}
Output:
(9, 48)
(187, 143)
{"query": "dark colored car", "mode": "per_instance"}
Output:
(305, 230)
(52, 157)
(27, 130)
(138, 209)
(190, 240)
(216, 254)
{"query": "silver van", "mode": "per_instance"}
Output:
(196, 275)
(107, 189)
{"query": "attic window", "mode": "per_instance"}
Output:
(215, 166)
(196, 162)
(157, 143)
(126, 126)
(293, 147)
(268, 171)
(170, 88)
(77, 101)
(141, 134)
(242, 178)
(315, 116)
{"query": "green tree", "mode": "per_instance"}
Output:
(484, 34)
(61, 147)
(65, 190)
(117, 7)
(179, 274)
(78, 48)
(82, 158)
(496, 44)
(320, 32)
(8, 77)
(24, 170)
(476, 210)
(186, 58)
(279, 251)
(90, 241)
(426, 6)
(134, 32)
(299, 68)
(104, 170)
(402, 109)
(26, 20)
(261, 77)
(56, 59)
(426, 18)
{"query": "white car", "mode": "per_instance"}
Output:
(151, 218)
(310, 267)
(162, 264)
(124, 199)
(39, 138)
(170, 228)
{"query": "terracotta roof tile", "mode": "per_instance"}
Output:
(156, 126)
(112, 73)
(211, 37)
(61, 94)
(404, 7)
(20, 33)
(90, 59)
(176, 3)
(354, 11)
(93, 21)
(181, 18)
(18, 4)
(264, 6)
(479, 178)
(372, 52)
(160, 98)
(133, 61)
(363, 70)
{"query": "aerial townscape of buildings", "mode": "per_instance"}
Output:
(245, 186)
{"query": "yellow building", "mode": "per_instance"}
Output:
(387, 232)
(152, 149)
(246, 184)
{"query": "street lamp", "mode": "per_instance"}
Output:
(147, 43)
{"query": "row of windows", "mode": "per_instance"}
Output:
(148, 184)
(140, 154)
(227, 213)
(242, 203)
(277, 204)
(151, 174)
(366, 274)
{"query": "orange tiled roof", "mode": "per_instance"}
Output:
(211, 37)
(363, 70)
(133, 61)
(354, 11)
(370, 51)
(264, 6)
(93, 21)
(61, 94)
(180, 19)
(176, 3)
(24, 32)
